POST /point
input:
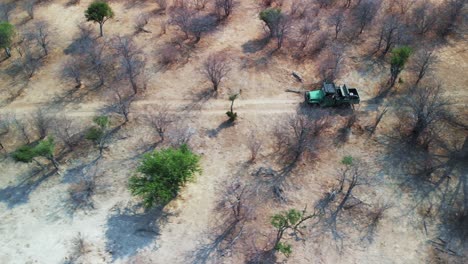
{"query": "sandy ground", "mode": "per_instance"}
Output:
(36, 225)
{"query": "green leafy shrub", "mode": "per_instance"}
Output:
(347, 160)
(162, 173)
(27, 153)
(232, 116)
(94, 133)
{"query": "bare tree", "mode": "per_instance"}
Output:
(325, 3)
(282, 30)
(337, 20)
(377, 120)
(330, 66)
(182, 18)
(374, 217)
(421, 109)
(215, 69)
(41, 35)
(21, 127)
(160, 119)
(140, 23)
(390, 33)
(132, 62)
(304, 35)
(299, 136)
(254, 145)
(199, 4)
(73, 70)
(365, 12)
(29, 6)
(65, 129)
(99, 62)
(298, 9)
(42, 122)
(223, 8)
(424, 17)
(29, 63)
(423, 63)
(121, 102)
(81, 194)
(449, 12)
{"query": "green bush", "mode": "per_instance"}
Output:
(162, 173)
(347, 160)
(101, 121)
(24, 153)
(7, 32)
(400, 56)
(27, 153)
(232, 116)
(94, 134)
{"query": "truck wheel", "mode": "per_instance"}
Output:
(315, 105)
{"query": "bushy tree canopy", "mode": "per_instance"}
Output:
(7, 31)
(162, 173)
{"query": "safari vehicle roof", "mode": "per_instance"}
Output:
(329, 88)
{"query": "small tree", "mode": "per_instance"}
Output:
(99, 12)
(283, 221)
(272, 17)
(162, 173)
(398, 60)
(100, 133)
(7, 32)
(215, 69)
(45, 148)
(232, 116)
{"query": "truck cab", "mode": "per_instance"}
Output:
(331, 95)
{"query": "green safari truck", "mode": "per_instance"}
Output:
(331, 95)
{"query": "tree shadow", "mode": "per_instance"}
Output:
(127, 231)
(19, 194)
(77, 173)
(212, 133)
(253, 46)
(198, 99)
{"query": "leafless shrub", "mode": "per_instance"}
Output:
(73, 2)
(215, 69)
(449, 12)
(140, 23)
(160, 119)
(132, 62)
(42, 122)
(81, 194)
(254, 145)
(303, 36)
(180, 134)
(169, 54)
(374, 217)
(78, 250)
(402, 6)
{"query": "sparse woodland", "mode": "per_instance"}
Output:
(175, 131)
